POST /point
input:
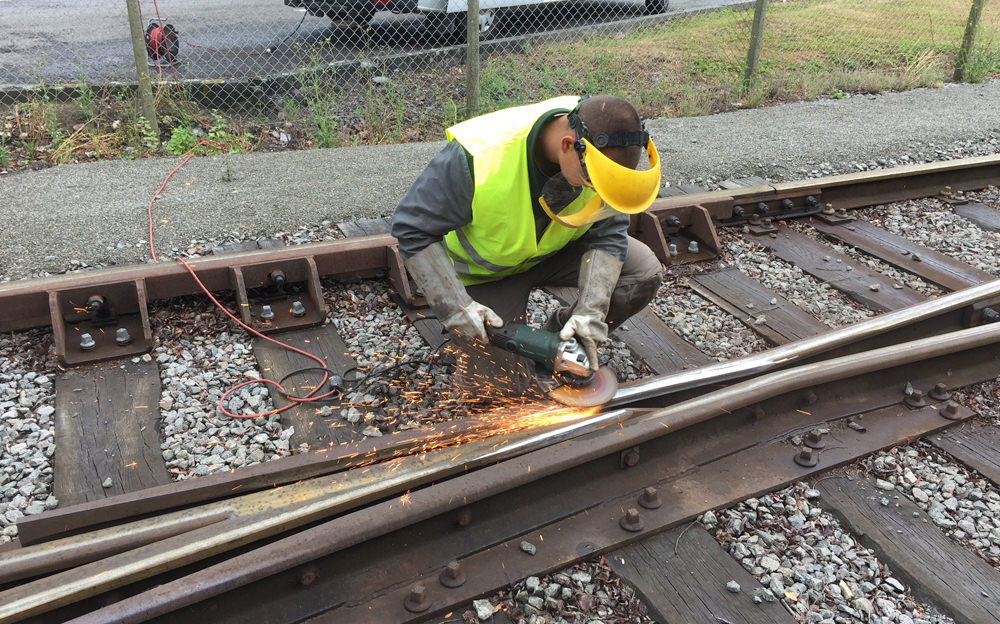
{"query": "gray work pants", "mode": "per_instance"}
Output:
(637, 285)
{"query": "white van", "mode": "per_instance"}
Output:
(445, 16)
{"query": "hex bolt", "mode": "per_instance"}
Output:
(630, 458)
(298, 309)
(811, 201)
(738, 211)
(950, 410)
(814, 439)
(940, 392)
(650, 498)
(464, 516)
(806, 457)
(672, 248)
(122, 336)
(266, 313)
(673, 221)
(87, 342)
(762, 208)
(631, 521)
(693, 247)
(277, 278)
(787, 204)
(915, 399)
(416, 601)
(990, 315)
(452, 575)
(308, 576)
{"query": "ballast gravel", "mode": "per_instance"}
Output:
(802, 558)
(963, 503)
(26, 429)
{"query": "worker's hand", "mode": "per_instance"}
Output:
(469, 319)
(458, 312)
(590, 330)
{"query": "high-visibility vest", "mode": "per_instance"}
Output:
(500, 240)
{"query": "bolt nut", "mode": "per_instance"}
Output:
(828, 209)
(298, 309)
(308, 576)
(951, 410)
(266, 313)
(122, 337)
(940, 392)
(87, 342)
(915, 399)
(464, 516)
(814, 439)
(806, 457)
(416, 601)
(630, 458)
(452, 575)
(693, 247)
(631, 521)
(650, 498)
(672, 248)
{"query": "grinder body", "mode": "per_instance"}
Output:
(544, 347)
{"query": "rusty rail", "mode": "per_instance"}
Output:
(543, 455)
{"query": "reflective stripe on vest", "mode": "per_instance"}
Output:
(501, 240)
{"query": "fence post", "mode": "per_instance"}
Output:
(968, 40)
(141, 70)
(756, 39)
(472, 58)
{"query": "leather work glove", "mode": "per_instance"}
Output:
(458, 312)
(599, 273)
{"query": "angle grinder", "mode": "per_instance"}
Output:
(573, 383)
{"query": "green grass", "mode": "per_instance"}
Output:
(687, 66)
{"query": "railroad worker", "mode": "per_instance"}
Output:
(531, 196)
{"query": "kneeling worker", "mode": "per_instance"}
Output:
(531, 196)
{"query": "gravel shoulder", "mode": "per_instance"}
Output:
(92, 214)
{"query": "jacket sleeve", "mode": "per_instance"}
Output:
(438, 202)
(610, 235)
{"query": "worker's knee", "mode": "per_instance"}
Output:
(640, 280)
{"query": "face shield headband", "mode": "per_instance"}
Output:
(619, 189)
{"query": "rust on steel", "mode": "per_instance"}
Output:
(25, 304)
(535, 463)
(70, 520)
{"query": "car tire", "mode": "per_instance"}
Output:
(655, 7)
(360, 16)
(452, 27)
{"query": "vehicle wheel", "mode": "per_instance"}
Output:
(655, 7)
(360, 16)
(452, 27)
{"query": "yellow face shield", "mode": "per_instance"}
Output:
(619, 189)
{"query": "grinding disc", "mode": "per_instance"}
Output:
(598, 391)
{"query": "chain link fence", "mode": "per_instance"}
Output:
(274, 74)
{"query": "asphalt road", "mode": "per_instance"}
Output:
(59, 41)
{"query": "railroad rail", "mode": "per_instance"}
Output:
(415, 525)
